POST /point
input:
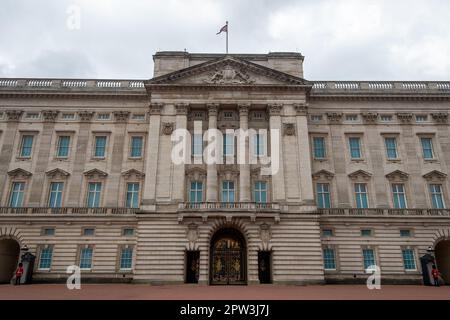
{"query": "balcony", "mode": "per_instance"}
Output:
(386, 212)
(66, 211)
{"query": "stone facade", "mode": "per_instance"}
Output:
(118, 134)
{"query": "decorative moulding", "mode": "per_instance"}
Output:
(323, 175)
(289, 129)
(435, 176)
(133, 173)
(397, 175)
(440, 117)
(335, 117)
(19, 173)
(95, 174)
(57, 173)
(167, 128)
(50, 115)
(360, 174)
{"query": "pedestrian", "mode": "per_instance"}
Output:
(19, 273)
(435, 274)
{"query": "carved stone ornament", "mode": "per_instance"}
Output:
(192, 232)
(182, 108)
(167, 128)
(370, 117)
(19, 173)
(213, 109)
(155, 108)
(196, 173)
(121, 116)
(265, 235)
(289, 129)
(50, 115)
(334, 117)
(95, 174)
(13, 115)
(274, 109)
(323, 175)
(57, 174)
(86, 115)
(405, 117)
(435, 176)
(302, 109)
(360, 175)
(133, 173)
(397, 175)
(440, 117)
(229, 75)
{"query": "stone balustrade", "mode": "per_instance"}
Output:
(386, 212)
(65, 84)
(67, 210)
(229, 206)
(377, 86)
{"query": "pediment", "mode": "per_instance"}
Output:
(57, 173)
(19, 173)
(95, 174)
(397, 175)
(435, 176)
(360, 174)
(133, 173)
(229, 71)
(196, 173)
(323, 174)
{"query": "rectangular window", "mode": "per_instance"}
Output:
(421, 118)
(399, 196)
(391, 148)
(48, 232)
(16, 197)
(323, 195)
(100, 146)
(437, 197)
(94, 192)
(329, 260)
(355, 148)
(88, 232)
(45, 260)
(369, 258)
(26, 146)
(405, 233)
(409, 260)
(63, 146)
(55, 197)
(259, 145)
(228, 144)
(32, 115)
(68, 116)
(132, 195)
(351, 117)
(319, 147)
(260, 192)
(366, 233)
(136, 147)
(197, 144)
(128, 232)
(327, 232)
(228, 115)
(361, 196)
(126, 258)
(386, 118)
(427, 148)
(316, 118)
(196, 192)
(86, 258)
(227, 191)
(138, 116)
(103, 116)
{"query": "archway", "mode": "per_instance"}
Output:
(9, 256)
(228, 257)
(442, 254)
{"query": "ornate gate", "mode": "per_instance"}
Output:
(228, 256)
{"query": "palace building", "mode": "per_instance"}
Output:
(87, 176)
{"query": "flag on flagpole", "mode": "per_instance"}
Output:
(223, 29)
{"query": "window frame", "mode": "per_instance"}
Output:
(323, 193)
(94, 145)
(414, 259)
(260, 191)
(228, 191)
(314, 149)
(137, 193)
(196, 191)
(80, 257)
(130, 152)
(11, 192)
(120, 256)
(41, 252)
(58, 145)
(100, 196)
(375, 257)
(360, 147)
(432, 145)
(394, 193)
(21, 145)
(50, 193)
(386, 148)
(442, 194)
(335, 259)
(355, 193)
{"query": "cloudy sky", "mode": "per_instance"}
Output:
(341, 39)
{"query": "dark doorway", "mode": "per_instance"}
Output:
(192, 266)
(264, 267)
(9, 256)
(228, 258)
(442, 253)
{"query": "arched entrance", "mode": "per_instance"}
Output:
(228, 258)
(9, 256)
(442, 254)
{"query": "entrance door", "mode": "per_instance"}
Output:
(192, 266)
(264, 267)
(9, 256)
(442, 253)
(228, 255)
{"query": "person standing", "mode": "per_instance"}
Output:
(435, 274)
(19, 273)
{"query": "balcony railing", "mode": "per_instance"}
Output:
(386, 212)
(67, 210)
(435, 87)
(71, 84)
(229, 206)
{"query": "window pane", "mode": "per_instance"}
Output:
(46, 258)
(409, 260)
(259, 144)
(16, 198)
(132, 195)
(319, 147)
(27, 146)
(228, 145)
(196, 192)
(260, 192)
(86, 258)
(391, 148)
(55, 199)
(94, 192)
(437, 198)
(427, 148)
(355, 148)
(329, 259)
(323, 195)
(100, 146)
(126, 258)
(369, 258)
(136, 147)
(399, 196)
(63, 146)
(361, 196)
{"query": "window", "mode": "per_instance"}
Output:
(55, 197)
(32, 115)
(409, 260)
(323, 195)
(228, 144)
(48, 232)
(228, 115)
(361, 196)
(100, 146)
(136, 147)
(68, 116)
(94, 192)
(197, 144)
(329, 260)
(17, 191)
(399, 196)
(427, 148)
(63, 146)
(319, 147)
(366, 233)
(316, 118)
(103, 116)
(126, 258)
(128, 232)
(355, 148)
(26, 146)
(227, 191)
(405, 233)
(1, 115)
(391, 148)
(45, 260)
(259, 147)
(88, 231)
(196, 192)
(86, 258)
(437, 197)
(132, 195)
(327, 232)
(138, 116)
(260, 192)
(258, 115)
(421, 118)
(386, 118)
(351, 117)
(369, 258)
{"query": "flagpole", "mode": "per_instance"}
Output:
(227, 37)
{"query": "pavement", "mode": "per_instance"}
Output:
(200, 292)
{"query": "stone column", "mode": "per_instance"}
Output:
(278, 185)
(244, 169)
(211, 177)
(306, 184)
(179, 170)
(151, 158)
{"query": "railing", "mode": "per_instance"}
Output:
(385, 212)
(8, 83)
(377, 86)
(67, 210)
(228, 206)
